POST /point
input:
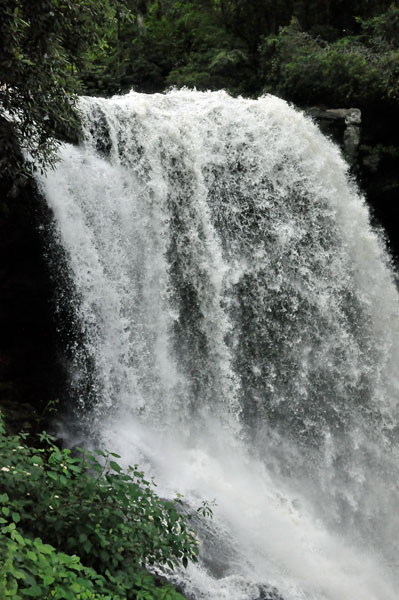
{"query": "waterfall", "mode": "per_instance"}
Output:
(235, 332)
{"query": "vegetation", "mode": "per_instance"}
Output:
(254, 46)
(358, 70)
(43, 44)
(309, 51)
(80, 527)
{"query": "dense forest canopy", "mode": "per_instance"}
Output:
(247, 47)
(309, 51)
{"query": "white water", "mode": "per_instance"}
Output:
(238, 327)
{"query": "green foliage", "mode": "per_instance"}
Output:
(42, 45)
(336, 52)
(347, 72)
(107, 61)
(214, 59)
(101, 526)
(168, 43)
(381, 31)
(33, 569)
(342, 52)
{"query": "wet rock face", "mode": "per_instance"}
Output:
(250, 591)
(267, 592)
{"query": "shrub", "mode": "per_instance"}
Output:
(101, 526)
(348, 72)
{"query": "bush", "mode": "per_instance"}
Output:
(381, 31)
(101, 526)
(348, 72)
(31, 568)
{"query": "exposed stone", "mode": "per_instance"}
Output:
(369, 144)
(267, 592)
(343, 124)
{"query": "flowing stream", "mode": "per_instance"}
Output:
(235, 331)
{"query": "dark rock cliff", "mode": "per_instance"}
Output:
(31, 372)
(370, 145)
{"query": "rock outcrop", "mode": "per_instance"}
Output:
(369, 144)
(344, 125)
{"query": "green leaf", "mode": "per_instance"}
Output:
(75, 469)
(32, 555)
(115, 466)
(35, 591)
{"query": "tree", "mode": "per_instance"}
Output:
(43, 43)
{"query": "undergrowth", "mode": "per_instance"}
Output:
(80, 527)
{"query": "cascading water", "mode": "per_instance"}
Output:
(239, 336)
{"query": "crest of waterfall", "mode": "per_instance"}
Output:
(238, 335)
